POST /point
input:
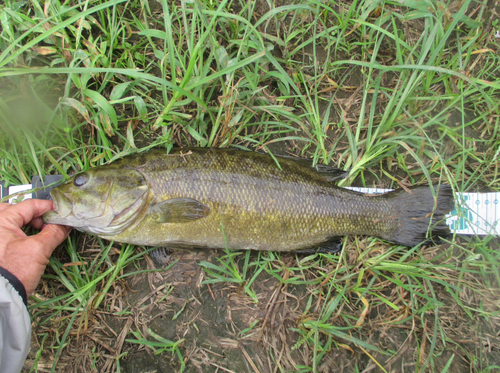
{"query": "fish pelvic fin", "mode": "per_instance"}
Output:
(160, 256)
(421, 214)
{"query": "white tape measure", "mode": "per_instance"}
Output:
(479, 213)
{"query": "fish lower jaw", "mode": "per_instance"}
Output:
(102, 231)
(52, 217)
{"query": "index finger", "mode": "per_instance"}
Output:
(24, 212)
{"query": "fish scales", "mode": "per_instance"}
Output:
(260, 206)
(246, 201)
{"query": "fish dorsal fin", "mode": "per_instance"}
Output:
(328, 172)
(178, 210)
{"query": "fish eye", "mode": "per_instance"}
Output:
(79, 181)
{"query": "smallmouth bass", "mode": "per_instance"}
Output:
(216, 198)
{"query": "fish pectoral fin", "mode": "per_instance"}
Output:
(179, 210)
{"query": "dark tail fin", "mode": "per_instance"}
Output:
(416, 210)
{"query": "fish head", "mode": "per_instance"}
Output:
(103, 200)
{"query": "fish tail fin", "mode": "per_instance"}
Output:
(421, 214)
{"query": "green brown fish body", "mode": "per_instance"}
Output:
(220, 198)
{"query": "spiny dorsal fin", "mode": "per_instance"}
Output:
(178, 210)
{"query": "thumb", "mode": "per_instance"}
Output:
(50, 237)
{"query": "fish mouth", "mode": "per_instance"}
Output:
(63, 208)
(62, 204)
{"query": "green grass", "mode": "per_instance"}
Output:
(397, 92)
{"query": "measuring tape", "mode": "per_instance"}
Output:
(478, 213)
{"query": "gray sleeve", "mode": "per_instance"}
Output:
(15, 326)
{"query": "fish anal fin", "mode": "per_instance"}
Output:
(178, 210)
(332, 245)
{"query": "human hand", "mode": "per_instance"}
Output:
(27, 256)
